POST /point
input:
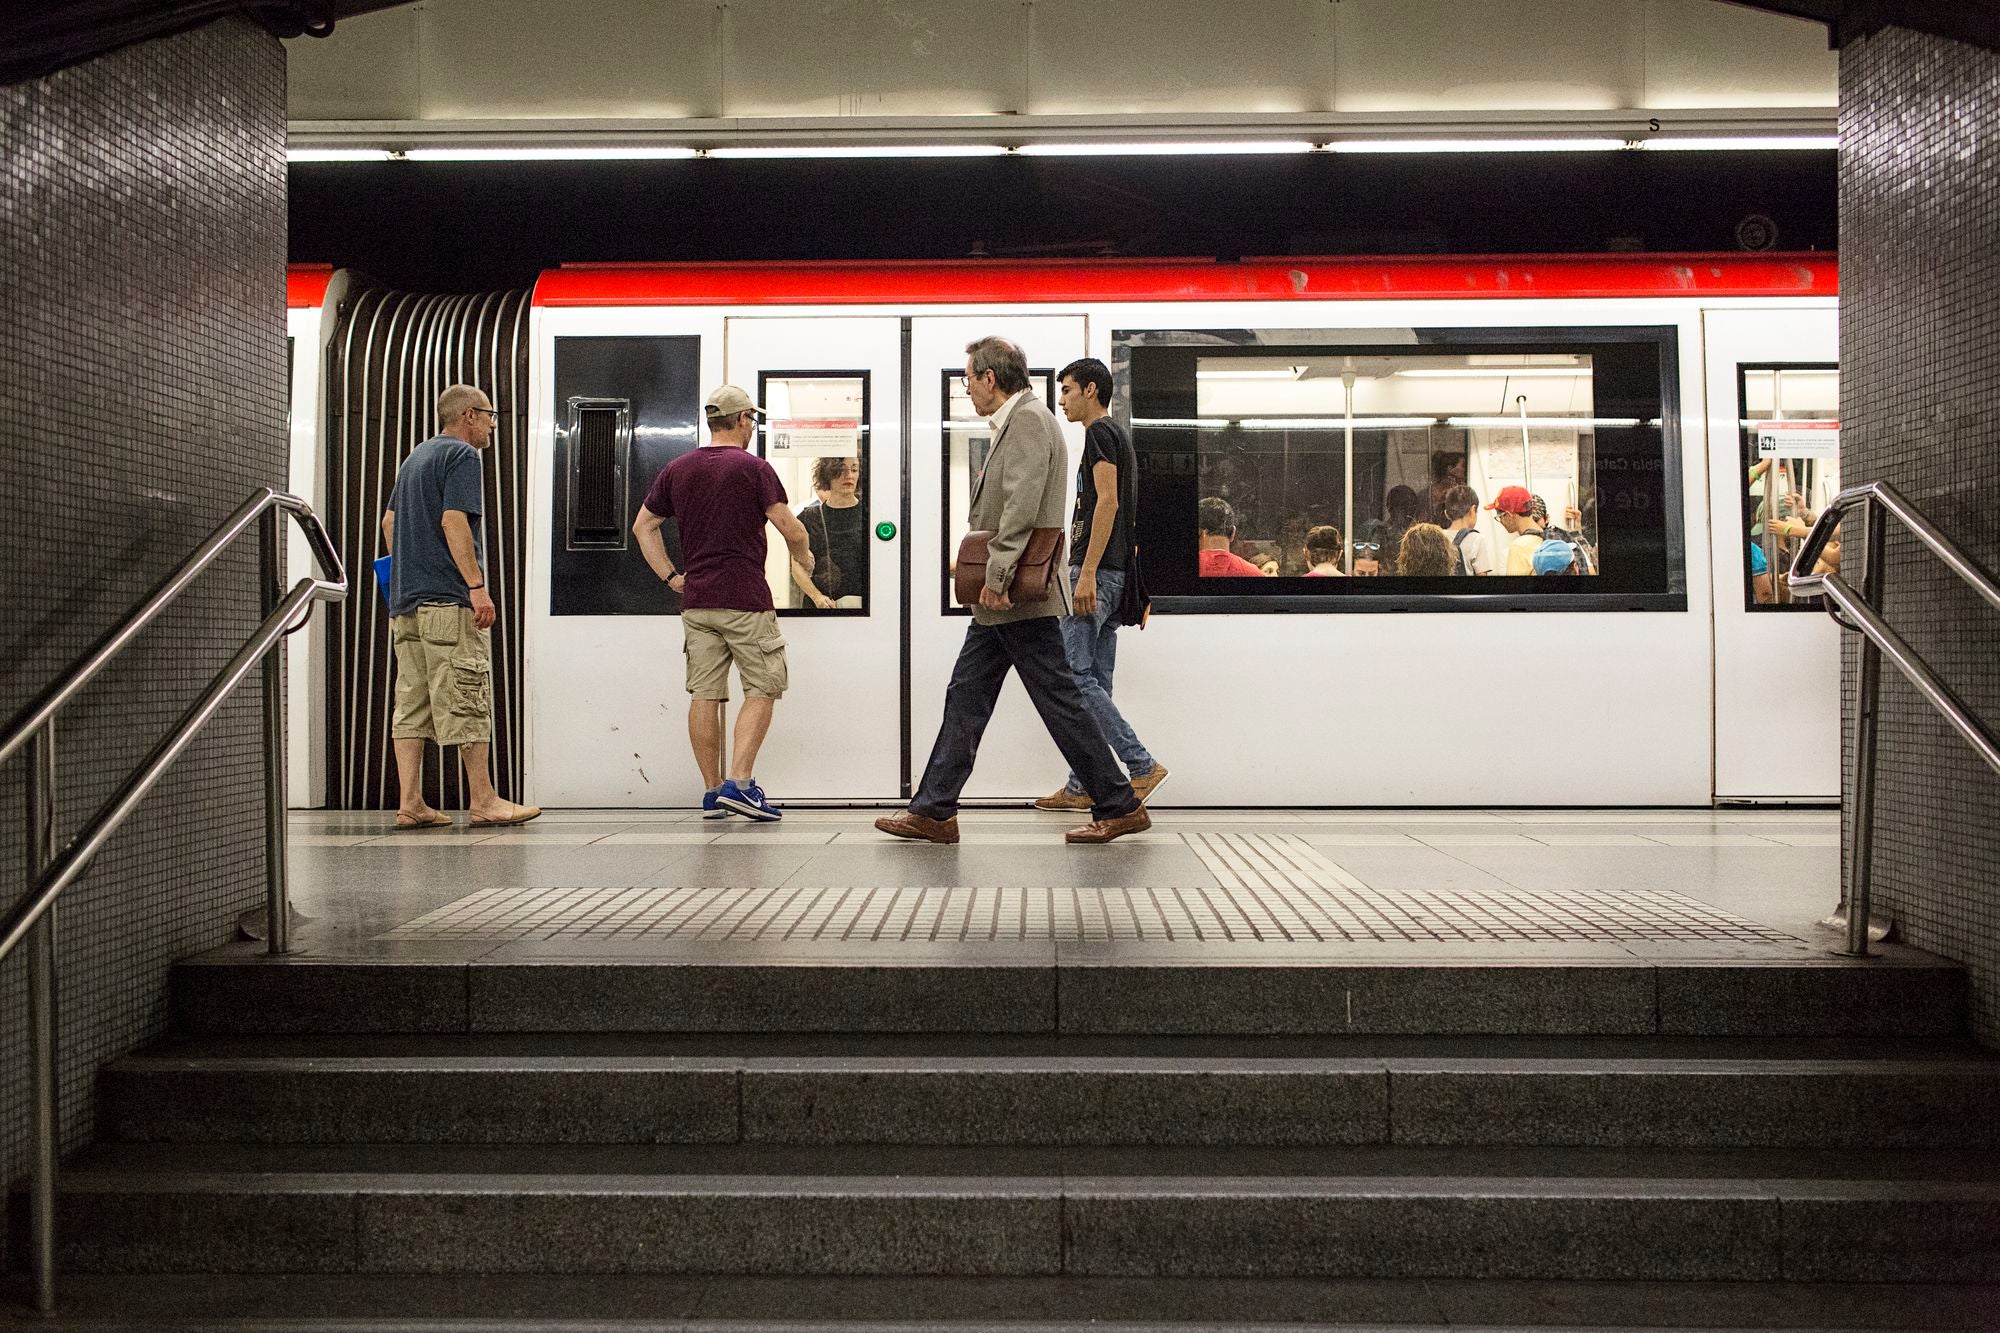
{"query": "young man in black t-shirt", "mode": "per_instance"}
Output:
(1103, 552)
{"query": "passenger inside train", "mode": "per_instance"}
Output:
(836, 524)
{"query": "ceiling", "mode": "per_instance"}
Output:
(705, 73)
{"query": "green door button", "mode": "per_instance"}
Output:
(885, 531)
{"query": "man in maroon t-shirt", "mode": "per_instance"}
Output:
(723, 495)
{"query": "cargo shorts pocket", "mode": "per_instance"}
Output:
(765, 673)
(441, 626)
(471, 687)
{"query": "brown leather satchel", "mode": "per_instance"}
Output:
(1034, 576)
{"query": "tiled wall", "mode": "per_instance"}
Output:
(142, 397)
(1920, 408)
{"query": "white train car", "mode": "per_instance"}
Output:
(1628, 392)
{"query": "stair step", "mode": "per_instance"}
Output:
(615, 1303)
(240, 990)
(1340, 1212)
(1632, 1093)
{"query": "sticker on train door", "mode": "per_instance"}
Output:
(1798, 439)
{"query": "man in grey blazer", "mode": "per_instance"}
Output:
(1025, 486)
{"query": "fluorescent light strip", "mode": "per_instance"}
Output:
(1556, 423)
(863, 150)
(336, 155)
(1289, 423)
(593, 154)
(1746, 143)
(1499, 372)
(1166, 149)
(1337, 423)
(1291, 374)
(1476, 146)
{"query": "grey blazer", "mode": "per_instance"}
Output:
(1025, 486)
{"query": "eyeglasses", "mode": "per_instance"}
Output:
(489, 411)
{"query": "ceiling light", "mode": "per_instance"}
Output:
(1291, 373)
(1337, 423)
(1475, 146)
(590, 154)
(1498, 372)
(863, 150)
(337, 155)
(1166, 149)
(1555, 423)
(1824, 142)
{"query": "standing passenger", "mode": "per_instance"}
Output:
(440, 611)
(1022, 488)
(1103, 547)
(1215, 522)
(1514, 508)
(1461, 510)
(723, 495)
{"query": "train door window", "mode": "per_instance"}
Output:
(968, 439)
(815, 436)
(1455, 469)
(1790, 423)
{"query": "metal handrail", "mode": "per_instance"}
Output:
(51, 870)
(1863, 613)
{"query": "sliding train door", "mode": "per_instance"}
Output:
(949, 443)
(1773, 438)
(832, 388)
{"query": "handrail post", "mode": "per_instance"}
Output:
(1861, 853)
(41, 792)
(277, 905)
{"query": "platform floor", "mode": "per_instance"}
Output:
(1388, 885)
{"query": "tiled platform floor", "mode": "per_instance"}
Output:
(1402, 884)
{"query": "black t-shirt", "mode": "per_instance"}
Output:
(843, 533)
(1103, 442)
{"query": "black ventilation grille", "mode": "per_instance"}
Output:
(601, 436)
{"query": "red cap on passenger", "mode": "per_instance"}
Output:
(1513, 500)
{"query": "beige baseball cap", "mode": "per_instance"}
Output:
(729, 400)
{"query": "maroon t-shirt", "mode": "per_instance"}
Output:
(719, 493)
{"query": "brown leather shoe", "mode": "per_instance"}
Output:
(1104, 830)
(910, 824)
(1146, 784)
(1063, 799)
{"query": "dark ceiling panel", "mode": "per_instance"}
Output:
(1974, 21)
(41, 39)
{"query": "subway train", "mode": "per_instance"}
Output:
(1659, 407)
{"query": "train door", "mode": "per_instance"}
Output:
(1773, 438)
(949, 442)
(832, 388)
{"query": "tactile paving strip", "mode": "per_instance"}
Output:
(1271, 890)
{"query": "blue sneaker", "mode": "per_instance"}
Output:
(709, 807)
(747, 799)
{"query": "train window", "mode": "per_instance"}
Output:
(1790, 423)
(598, 465)
(968, 437)
(815, 437)
(1422, 469)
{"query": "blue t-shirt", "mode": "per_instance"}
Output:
(441, 473)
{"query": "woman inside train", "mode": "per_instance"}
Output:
(1323, 551)
(836, 524)
(1425, 552)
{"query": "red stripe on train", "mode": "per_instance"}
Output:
(1005, 282)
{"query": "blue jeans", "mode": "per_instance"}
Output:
(1034, 648)
(1091, 644)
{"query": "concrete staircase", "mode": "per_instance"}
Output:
(1811, 1122)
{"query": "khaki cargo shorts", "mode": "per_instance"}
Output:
(751, 639)
(444, 676)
